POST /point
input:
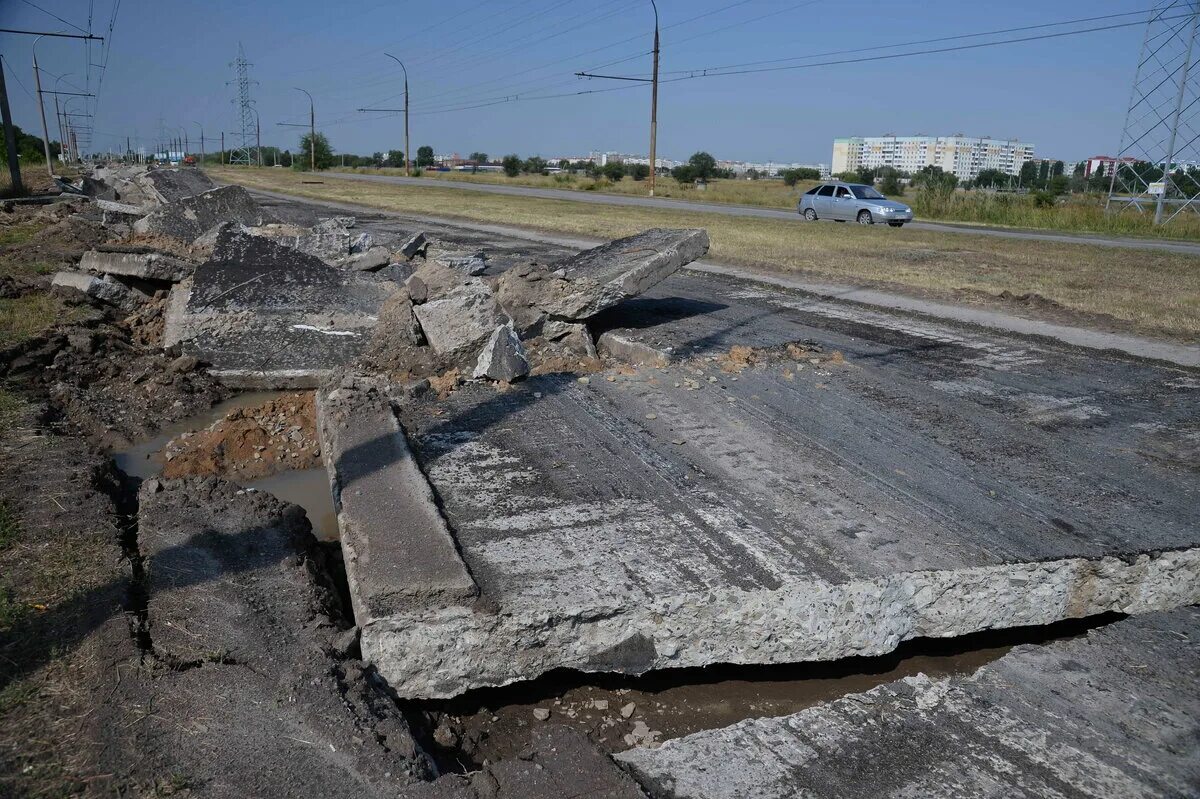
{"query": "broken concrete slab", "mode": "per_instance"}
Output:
(558, 763)
(109, 292)
(371, 260)
(752, 539)
(240, 611)
(502, 357)
(121, 208)
(144, 266)
(461, 317)
(586, 284)
(627, 347)
(1110, 714)
(190, 217)
(415, 245)
(400, 556)
(97, 189)
(173, 185)
(265, 315)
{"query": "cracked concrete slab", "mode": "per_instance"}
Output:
(191, 216)
(141, 265)
(264, 315)
(808, 508)
(1110, 714)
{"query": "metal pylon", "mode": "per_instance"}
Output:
(1158, 163)
(243, 110)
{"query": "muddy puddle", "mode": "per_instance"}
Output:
(619, 713)
(308, 488)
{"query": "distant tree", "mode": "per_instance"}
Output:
(535, 165)
(890, 182)
(377, 158)
(934, 179)
(1029, 175)
(479, 158)
(991, 178)
(848, 177)
(512, 165)
(1079, 168)
(285, 158)
(685, 174)
(564, 165)
(752, 174)
(867, 176)
(1059, 184)
(639, 171)
(613, 170)
(324, 152)
(394, 159)
(29, 149)
(1043, 199)
(703, 165)
(1058, 169)
(425, 156)
(790, 176)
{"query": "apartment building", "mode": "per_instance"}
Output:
(964, 156)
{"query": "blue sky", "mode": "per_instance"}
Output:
(171, 59)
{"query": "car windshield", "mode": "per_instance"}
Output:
(866, 193)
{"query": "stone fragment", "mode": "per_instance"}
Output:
(622, 346)
(187, 218)
(371, 260)
(627, 710)
(120, 208)
(415, 245)
(502, 358)
(461, 317)
(172, 185)
(98, 189)
(106, 291)
(183, 364)
(573, 337)
(541, 713)
(474, 263)
(144, 266)
(361, 242)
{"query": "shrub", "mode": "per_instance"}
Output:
(512, 165)
(1043, 199)
(614, 171)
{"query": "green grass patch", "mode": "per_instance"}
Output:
(18, 234)
(30, 315)
(16, 694)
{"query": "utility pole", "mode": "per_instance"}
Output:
(1168, 179)
(197, 124)
(312, 131)
(654, 104)
(258, 137)
(37, 79)
(222, 148)
(10, 138)
(407, 153)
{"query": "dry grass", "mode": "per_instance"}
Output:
(758, 193)
(1157, 293)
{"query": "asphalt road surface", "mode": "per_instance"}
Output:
(762, 213)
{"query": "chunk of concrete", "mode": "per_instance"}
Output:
(98, 189)
(144, 266)
(267, 316)
(587, 283)
(173, 185)
(625, 346)
(502, 357)
(1107, 715)
(573, 337)
(189, 217)
(469, 263)
(415, 245)
(107, 291)
(463, 316)
(400, 555)
(371, 260)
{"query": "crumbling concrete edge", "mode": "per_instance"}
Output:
(446, 581)
(439, 653)
(620, 347)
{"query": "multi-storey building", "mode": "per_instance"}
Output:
(964, 156)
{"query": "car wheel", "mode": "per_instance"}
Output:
(865, 218)
(896, 224)
(810, 214)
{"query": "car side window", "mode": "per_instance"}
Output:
(826, 191)
(843, 192)
(813, 190)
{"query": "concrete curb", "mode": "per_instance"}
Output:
(400, 553)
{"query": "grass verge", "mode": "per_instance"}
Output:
(1079, 213)
(1155, 293)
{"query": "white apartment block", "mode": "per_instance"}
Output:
(965, 156)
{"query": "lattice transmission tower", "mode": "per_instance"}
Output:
(244, 114)
(1158, 164)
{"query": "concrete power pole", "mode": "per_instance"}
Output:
(654, 104)
(312, 131)
(407, 148)
(37, 79)
(10, 138)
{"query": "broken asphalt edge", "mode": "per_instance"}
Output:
(439, 652)
(1081, 337)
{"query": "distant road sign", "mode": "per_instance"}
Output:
(1157, 189)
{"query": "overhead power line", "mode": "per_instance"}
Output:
(56, 16)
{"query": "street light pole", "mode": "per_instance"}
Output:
(407, 149)
(654, 104)
(62, 136)
(312, 131)
(37, 79)
(197, 124)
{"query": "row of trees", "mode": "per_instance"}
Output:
(29, 149)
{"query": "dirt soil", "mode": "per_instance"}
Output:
(249, 443)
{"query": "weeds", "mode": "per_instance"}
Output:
(30, 315)
(10, 526)
(18, 234)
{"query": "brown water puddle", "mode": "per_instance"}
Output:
(308, 488)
